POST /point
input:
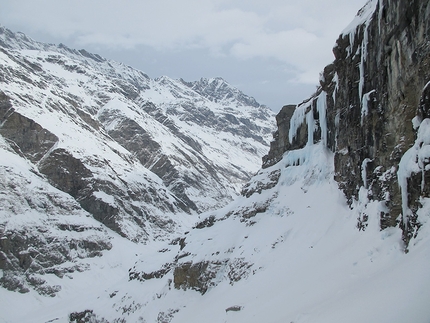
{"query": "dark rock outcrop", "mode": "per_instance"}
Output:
(371, 93)
(26, 255)
(196, 276)
(137, 140)
(280, 144)
(25, 136)
(201, 276)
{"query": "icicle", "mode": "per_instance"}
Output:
(336, 88)
(311, 127)
(351, 42)
(322, 109)
(365, 105)
(363, 17)
(297, 119)
(305, 112)
(364, 171)
(297, 157)
(381, 8)
(363, 59)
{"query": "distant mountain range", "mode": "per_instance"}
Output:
(93, 137)
(196, 143)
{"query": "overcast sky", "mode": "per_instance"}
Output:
(272, 50)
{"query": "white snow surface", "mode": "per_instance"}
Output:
(363, 15)
(300, 260)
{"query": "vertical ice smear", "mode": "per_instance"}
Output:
(363, 18)
(365, 105)
(297, 119)
(311, 126)
(363, 59)
(304, 113)
(336, 88)
(321, 108)
(364, 171)
(351, 41)
(381, 9)
(361, 81)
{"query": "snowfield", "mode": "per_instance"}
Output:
(301, 260)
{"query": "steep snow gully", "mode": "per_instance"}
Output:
(333, 228)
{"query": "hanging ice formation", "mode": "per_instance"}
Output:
(313, 112)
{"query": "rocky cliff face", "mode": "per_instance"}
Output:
(368, 109)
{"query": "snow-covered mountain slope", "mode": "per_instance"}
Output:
(130, 149)
(43, 231)
(95, 138)
(289, 252)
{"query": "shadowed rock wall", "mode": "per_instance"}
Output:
(372, 91)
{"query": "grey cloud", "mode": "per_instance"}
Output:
(295, 35)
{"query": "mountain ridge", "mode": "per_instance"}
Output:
(129, 150)
(333, 228)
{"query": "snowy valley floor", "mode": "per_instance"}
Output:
(300, 260)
